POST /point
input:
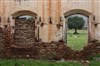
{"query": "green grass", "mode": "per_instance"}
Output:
(94, 63)
(25, 62)
(20, 62)
(77, 42)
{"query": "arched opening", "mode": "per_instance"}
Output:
(23, 12)
(77, 31)
(86, 32)
(24, 31)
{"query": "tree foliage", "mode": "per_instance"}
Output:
(75, 22)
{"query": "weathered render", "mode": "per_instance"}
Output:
(49, 20)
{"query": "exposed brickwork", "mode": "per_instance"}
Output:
(89, 50)
(55, 50)
(7, 41)
(24, 32)
(1, 42)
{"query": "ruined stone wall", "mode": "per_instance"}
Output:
(1, 42)
(51, 13)
(55, 51)
(49, 26)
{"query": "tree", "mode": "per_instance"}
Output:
(75, 22)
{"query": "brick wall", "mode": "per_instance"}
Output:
(24, 32)
(1, 42)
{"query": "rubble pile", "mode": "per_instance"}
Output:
(56, 51)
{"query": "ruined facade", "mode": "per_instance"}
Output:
(49, 22)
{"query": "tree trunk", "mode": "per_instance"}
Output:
(75, 32)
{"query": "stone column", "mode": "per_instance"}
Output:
(65, 30)
(91, 28)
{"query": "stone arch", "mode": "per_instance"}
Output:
(23, 12)
(77, 11)
(91, 20)
(24, 30)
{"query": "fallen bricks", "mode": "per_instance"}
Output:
(55, 51)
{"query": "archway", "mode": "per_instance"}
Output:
(24, 31)
(90, 23)
(23, 12)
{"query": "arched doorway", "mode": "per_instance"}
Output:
(90, 28)
(24, 31)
